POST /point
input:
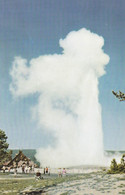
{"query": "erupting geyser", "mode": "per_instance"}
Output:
(68, 102)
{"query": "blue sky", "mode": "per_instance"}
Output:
(33, 28)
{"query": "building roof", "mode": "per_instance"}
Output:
(20, 159)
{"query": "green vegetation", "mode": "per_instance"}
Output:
(120, 95)
(123, 192)
(14, 186)
(96, 182)
(117, 168)
(4, 154)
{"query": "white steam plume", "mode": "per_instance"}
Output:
(68, 102)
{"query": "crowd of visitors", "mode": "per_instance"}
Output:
(37, 171)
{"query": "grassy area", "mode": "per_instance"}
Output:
(15, 185)
(96, 181)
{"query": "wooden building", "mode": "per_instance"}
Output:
(20, 160)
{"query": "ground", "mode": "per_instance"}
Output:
(94, 183)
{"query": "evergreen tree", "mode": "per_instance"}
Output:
(120, 95)
(114, 166)
(4, 154)
(117, 168)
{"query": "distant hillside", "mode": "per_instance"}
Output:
(30, 153)
(114, 152)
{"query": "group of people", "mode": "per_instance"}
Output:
(61, 172)
(27, 169)
(18, 169)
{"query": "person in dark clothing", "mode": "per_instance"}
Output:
(38, 175)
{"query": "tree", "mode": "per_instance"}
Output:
(114, 166)
(120, 95)
(117, 168)
(4, 154)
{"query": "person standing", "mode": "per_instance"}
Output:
(64, 172)
(59, 172)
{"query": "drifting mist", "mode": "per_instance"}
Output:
(68, 104)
